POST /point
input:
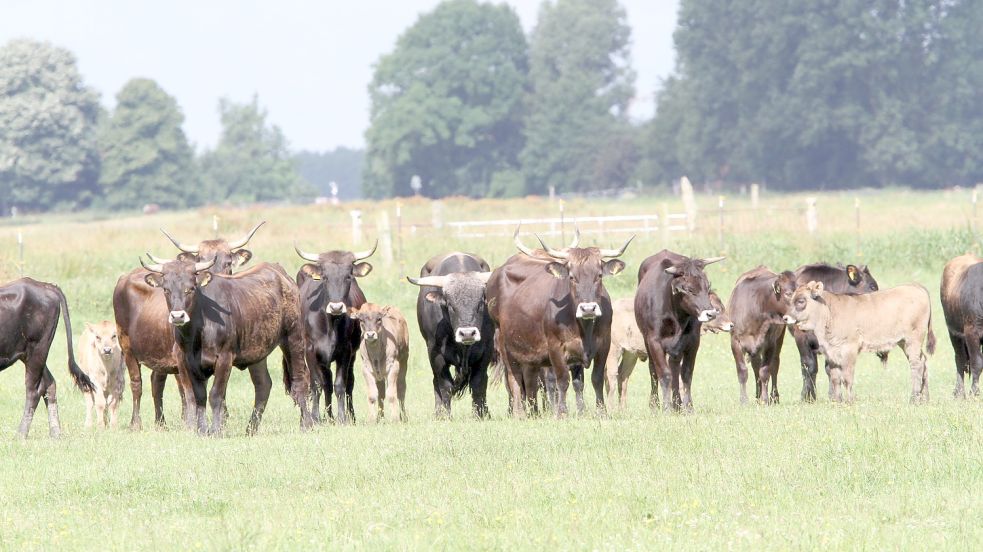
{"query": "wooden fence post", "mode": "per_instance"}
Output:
(812, 221)
(399, 240)
(20, 252)
(689, 203)
(384, 233)
(856, 209)
(356, 226)
(720, 228)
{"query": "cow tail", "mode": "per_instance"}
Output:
(81, 379)
(463, 375)
(287, 373)
(498, 362)
(930, 342)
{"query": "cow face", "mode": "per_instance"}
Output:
(585, 273)
(180, 282)
(783, 288)
(860, 279)
(808, 307)
(690, 289)
(721, 322)
(462, 297)
(370, 317)
(336, 270)
(105, 341)
(228, 255)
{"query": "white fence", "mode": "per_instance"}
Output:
(553, 226)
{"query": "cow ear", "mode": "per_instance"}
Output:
(386, 309)
(778, 288)
(203, 278)
(362, 269)
(186, 257)
(613, 267)
(865, 269)
(88, 327)
(153, 279)
(241, 257)
(312, 271)
(816, 289)
(853, 274)
(558, 270)
(434, 297)
(353, 313)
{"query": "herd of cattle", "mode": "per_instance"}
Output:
(539, 320)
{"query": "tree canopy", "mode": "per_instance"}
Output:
(447, 103)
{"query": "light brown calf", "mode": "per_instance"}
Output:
(101, 359)
(385, 348)
(846, 325)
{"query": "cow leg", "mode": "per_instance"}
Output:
(561, 374)
(675, 372)
(740, 363)
(372, 393)
(625, 368)
(136, 388)
(809, 362)
(975, 361)
(847, 373)
(32, 386)
(90, 405)
(158, 379)
(919, 373)
(774, 363)
(349, 365)
(99, 401)
(401, 390)
(113, 405)
(530, 380)
(197, 417)
(761, 376)
(478, 383)
(577, 377)
(687, 367)
(612, 371)
(259, 373)
(49, 390)
(962, 364)
(223, 371)
(549, 383)
(659, 373)
(389, 390)
(442, 386)
(513, 380)
(341, 395)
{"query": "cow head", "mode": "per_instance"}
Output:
(180, 281)
(584, 268)
(105, 341)
(336, 270)
(809, 309)
(721, 322)
(462, 295)
(860, 279)
(227, 254)
(370, 317)
(782, 290)
(690, 287)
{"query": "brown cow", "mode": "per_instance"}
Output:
(552, 311)
(757, 306)
(846, 325)
(145, 337)
(671, 304)
(962, 305)
(628, 345)
(224, 321)
(384, 351)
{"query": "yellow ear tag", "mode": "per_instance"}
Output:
(316, 276)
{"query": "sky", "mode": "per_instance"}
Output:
(309, 63)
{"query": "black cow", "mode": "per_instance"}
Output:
(223, 321)
(849, 279)
(28, 320)
(454, 322)
(327, 290)
(962, 305)
(671, 305)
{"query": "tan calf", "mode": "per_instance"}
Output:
(385, 348)
(101, 359)
(846, 325)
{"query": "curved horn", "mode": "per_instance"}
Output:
(435, 281)
(617, 252)
(157, 259)
(244, 240)
(204, 265)
(552, 252)
(359, 255)
(576, 238)
(152, 267)
(193, 249)
(483, 276)
(305, 255)
(519, 244)
(711, 260)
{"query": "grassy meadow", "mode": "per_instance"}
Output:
(879, 474)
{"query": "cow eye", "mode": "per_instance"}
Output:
(800, 302)
(188, 291)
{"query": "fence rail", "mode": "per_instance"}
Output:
(556, 225)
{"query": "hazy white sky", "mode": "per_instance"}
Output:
(309, 62)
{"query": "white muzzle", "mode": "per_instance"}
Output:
(371, 337)
(588, 311)
(179, 318)
(707, 315)
(789, 320)
(335, 309)
(467, 336)
(727, 327)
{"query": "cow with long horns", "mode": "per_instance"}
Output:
(553, 317)
(454, 322)
(671, 305)
(328, 289)
(145, 337)
(222, 321)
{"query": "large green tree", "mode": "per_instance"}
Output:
(577, 131)
(48, 117)
(251, 161)
(447, 104)
(827, 93)
(145, 154)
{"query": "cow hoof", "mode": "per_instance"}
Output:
(136, 426)
(55, 433)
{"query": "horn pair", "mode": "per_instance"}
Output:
(518, 243)
(439, 281)
(233, 245)
(561, 254)
(157, 264)
(359, 255)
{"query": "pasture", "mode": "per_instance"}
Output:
(878, 474)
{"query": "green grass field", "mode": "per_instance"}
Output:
(879, 474)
